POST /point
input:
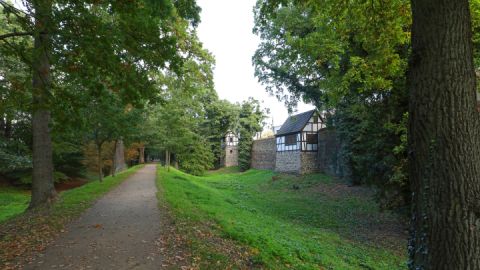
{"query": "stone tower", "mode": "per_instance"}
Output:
(230, 150)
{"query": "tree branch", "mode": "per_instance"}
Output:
(15, 34)
(12, 8)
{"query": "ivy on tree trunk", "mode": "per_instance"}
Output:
(444, 139)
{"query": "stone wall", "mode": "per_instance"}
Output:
(231, 156)
(309, 162)
(288, 162)
(263, 154)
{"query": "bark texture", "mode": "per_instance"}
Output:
(100, 161)
(141, 157)
(444, 139)
(43, 190)
(113, 170)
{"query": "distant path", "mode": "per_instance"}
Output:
(119, 232)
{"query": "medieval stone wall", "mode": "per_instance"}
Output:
(288, 161)
(264, 153)
(309, 162)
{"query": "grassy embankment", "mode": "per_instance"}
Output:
(310, 222)
(32, 230)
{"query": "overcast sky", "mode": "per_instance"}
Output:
(226, 31)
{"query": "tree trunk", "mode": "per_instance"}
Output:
(8, 127)
(444, 139)
(114, 158)
(43, 190)
(2, 125)
(100, 162)
(141, 156)
(167, 159)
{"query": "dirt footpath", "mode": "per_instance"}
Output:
(120, 231)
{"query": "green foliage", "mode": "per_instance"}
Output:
(244, 152)
(220, 117)
(58, 177)
(372, 145)
(348, 58)
(354, 69)
(103, 55)
(14, 156)
(308, 228)
(197, 158)
(250, 121)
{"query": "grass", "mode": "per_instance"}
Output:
(32, 230)
(311, 226)
(13, 201)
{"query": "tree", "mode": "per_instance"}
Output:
(120, 41)
(42, 177)
(444, 161)
(250, 121)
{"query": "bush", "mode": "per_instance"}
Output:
(58, 177)
(244, 152)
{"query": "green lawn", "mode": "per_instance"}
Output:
(13, 201)
(311, 226)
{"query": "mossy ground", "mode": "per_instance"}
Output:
(288, 222)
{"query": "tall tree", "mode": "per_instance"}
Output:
(42, 177)
(250, 121)
(444, 139)
(121, 42)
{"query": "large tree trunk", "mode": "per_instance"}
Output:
(444, 139)
(43, 189)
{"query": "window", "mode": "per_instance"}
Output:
(231, 151)
(231, 139)
(312, 138)
(291, 139)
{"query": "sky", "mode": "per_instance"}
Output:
(226, 31)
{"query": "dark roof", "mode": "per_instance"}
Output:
(295, 123)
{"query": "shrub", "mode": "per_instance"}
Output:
(58, 177)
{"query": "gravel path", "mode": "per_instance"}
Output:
(120, 231)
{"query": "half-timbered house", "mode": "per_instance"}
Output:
(297, 143)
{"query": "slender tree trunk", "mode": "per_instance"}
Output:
(100, 162)
(2, 125)
(43, 190)
(114, 158)
(167, 159)
(444, 139)
(8, 127)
